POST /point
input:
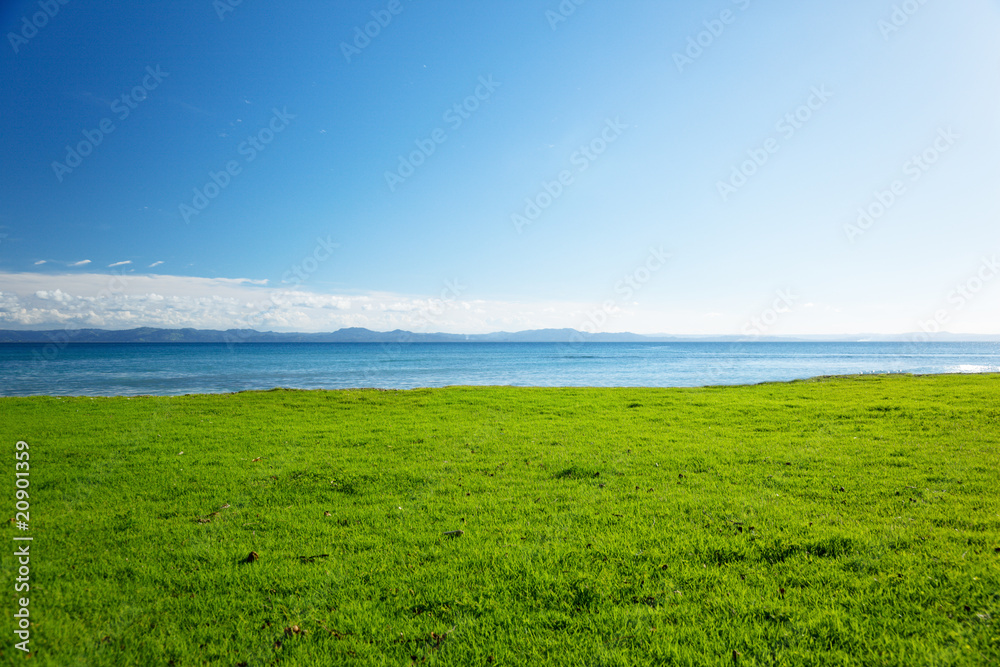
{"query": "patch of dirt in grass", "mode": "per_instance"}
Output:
(577, 472)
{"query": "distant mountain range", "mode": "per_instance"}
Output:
(359, 335)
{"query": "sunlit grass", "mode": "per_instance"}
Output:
(834, 521)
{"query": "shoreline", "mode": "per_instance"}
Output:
(810, 379)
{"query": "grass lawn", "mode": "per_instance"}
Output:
(833, 521)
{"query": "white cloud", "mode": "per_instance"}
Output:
(127, 261)
(128, 300)
(39, 301)
(54, 295)
(41, 261)
(82, 262)
(155, 264)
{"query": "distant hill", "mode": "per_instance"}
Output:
(360, 335)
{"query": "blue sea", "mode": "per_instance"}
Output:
(188, 368)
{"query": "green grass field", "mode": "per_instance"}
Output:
(833, 521)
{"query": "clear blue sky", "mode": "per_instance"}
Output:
(109, 242)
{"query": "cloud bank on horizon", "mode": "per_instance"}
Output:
(126, 300)
(717, 167)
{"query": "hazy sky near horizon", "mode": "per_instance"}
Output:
(715, 167)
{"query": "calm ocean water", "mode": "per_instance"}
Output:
(171, 369)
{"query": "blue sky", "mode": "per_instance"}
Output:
(688, 168)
